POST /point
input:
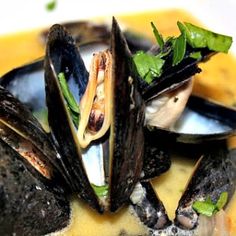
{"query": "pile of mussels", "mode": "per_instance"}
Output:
(122, 139)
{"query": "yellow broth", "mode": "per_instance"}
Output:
(217, 81)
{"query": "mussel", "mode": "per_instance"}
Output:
(111, 115)
(33, 202)
(202, 120)
(213, 174)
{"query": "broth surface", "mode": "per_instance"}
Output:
(216, 81)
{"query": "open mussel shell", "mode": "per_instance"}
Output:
(148, 207)
(125, 133)
(172, 77)
(21, 130)
(62, 56)
(202, 120)
(30, 204)
(26, 84)
(214, 173)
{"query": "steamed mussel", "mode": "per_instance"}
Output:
(33, 202)
(108, 82)
(108, 148)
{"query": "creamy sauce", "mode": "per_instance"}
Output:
(216, 81)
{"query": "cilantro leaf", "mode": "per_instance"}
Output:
(198, 37)
(179, 47)
(222, 200)
(158, 36)
(148, 66)
(101, 191)
(195, 55)
(204, 208)
(73, 107)
(208, 208)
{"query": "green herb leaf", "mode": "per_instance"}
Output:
(208, 208)
(179, 47)
(198, 37)
(195, 55)
(148, 66)
(101, 191)
(73, 107)
(204, 208)
(51, 5)
(208, 200)
(75, 117)
(158, 36)
(222, 200)
(67, 93)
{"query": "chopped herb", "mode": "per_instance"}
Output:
(204, 208)
(158, 36)
(101, 191)
(179, 47)
(222, 200)
(198, 37)
(75, 117)
(51, 5)
(208, 208)
(195, 55)
(73, 107)
(148, 66)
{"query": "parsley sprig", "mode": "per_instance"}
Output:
(101, 191)
(208, 208)
(72, 105)
(150, 66)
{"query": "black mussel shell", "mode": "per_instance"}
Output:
(126, 131)
(126, 134)
(202, 120)
(148, 207)
(29, 203)
(26, 83)
(156, 159)
(213, 174)
(63, 56)
(173, 77)
(84, 32)
(20, 120)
